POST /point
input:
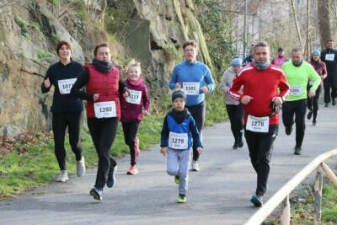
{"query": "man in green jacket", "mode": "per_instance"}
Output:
(298, 73)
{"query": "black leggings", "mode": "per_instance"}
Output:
(235, 114)
(103, 133)
(60, 121)
(198, 113)
(260, 149)
(299, 109)
(329, 90)
(313, 103)
(130, 130)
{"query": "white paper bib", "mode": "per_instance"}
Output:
(296, 90)
(105, 109)
(66, 85)
(134, 97)
(191, 88)
(330, 57)
(178, 141)
(258, 124)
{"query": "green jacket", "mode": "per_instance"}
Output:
(298, 78)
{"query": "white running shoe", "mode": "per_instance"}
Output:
(81, 167)
(195, 166)
(63, 177)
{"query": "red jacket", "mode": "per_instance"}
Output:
(134, 111)
(263, 86)
(104, 84)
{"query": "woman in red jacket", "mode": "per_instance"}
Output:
(103, 87)
(132, 111)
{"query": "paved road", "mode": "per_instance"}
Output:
(218, 194)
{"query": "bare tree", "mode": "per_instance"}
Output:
(296, 23)
(324, 21)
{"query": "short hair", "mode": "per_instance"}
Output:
(193, 43)
(60, 44)
(297, 49)
(260, 44)
(100, 46)
(329, 40)
(136, 64)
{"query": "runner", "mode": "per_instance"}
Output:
(249, 58)
(320, 68)
(196, 79)
(261, 111)
(298, 73)
(103, 87)
(66, 109)
(132, 111)
(176, 141)
(329, 56)
(234, 108)
(280, 59)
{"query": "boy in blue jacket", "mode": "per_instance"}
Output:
(176, 141)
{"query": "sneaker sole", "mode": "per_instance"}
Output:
(95, 195)
(181, 201)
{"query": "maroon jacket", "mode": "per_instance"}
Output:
(104, 84)
(320, 68)
(132, 107)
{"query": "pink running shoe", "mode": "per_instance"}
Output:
(132, 171)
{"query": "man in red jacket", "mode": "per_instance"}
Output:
(261, 100)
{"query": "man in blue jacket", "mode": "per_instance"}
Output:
(196, 79)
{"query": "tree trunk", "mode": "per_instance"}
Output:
(296, 23)
(324, 21)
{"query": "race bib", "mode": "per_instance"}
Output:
(296, 90)
(66, 85)
(191, 88)
(258, 124)
(105, 109)
(178, 141)
(134, 97)
(330, 57)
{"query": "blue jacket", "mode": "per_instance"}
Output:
(193, 72)
(186, 126)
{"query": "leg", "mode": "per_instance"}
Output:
(315, 104)
(198, 113)
(172, 162)
(264, 156)
(288, 112)
(59, 129)
(300, 122)
(326, 91)
(252, 142)
(74, 128)
(130, 135)
(184, 161)
(231, 114)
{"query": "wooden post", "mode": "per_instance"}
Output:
(329, 173)
(285, 216)
(318, 186)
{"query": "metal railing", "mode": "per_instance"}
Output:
(282, 196)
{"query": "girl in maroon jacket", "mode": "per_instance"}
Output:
(132, 111)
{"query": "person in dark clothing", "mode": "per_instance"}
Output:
(66, 109)
(320, 68)
(103, 89)
(329, 57)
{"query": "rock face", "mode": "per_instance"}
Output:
(151, 31)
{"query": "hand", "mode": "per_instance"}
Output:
(324, 76)
(199, 149)
(125, 94)
(204, 89)
(178, 85)
(96, 97)
(312, 93)
(163, 150)
(47, 83)
(246, 99)
(146, 113)
(277, 100)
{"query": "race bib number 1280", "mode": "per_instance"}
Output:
(105, 109)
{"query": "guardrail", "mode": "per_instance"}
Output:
(282, 196)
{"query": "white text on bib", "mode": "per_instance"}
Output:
(258, 124)
(191, 88)
(178, 141)
(134, 97)
(105, 109)
(330, 57)
(66, 85)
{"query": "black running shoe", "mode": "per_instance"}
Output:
(309, 115)
(96, 193)
(289, 130)
(298, 150)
